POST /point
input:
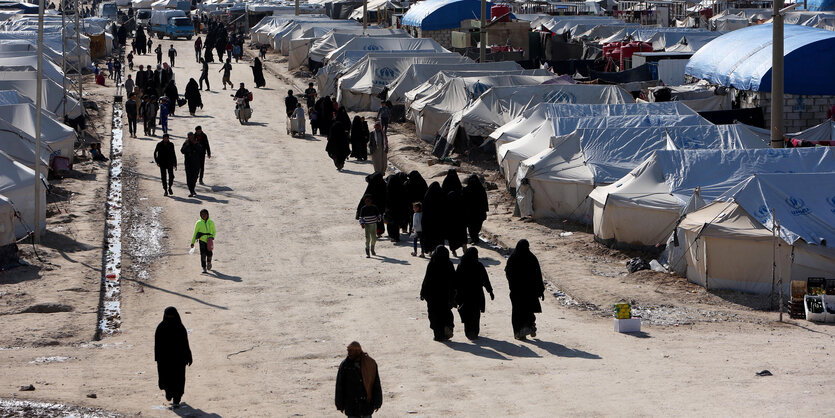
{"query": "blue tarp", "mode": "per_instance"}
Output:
(443, 14)
(820, 5)
(742, 59)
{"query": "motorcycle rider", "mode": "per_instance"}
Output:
(243, 93)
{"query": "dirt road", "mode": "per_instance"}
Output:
(292, 287)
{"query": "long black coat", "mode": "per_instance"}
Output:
(416, 187)
(524, 278)
(164, 154)
(258, 73)
(471, 279)
(433, 219)
(324, 107)
(193, 96)
(172, 353)
(351, 396)
(193, 155)
(475, 200)
(398, 206)
(438, 289)
(377, 189)
(451, 182)
(338, 147)
(456, 222)
(359, 139)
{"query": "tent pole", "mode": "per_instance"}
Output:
(80, 66)
(297, 7)
(779, 277)
(39, 105)
(482, 51)
(777, 76)
(364, 16)
(773, 256)
(64, 47)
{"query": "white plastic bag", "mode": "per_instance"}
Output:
(191, 251)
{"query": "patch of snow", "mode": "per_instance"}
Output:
(110, 317)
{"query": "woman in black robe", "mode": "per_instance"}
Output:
(471, 277)
(451, 182)
(524, 278)
(338, 147)
(172, 94)
(432, 220)
(172, 354)
(343, 118)
(398, 207)
(324, 107)
(258, 73)
(456, 222)
(416, 187)
(475, 206)
(193, 97)
(208, 56)
(359, 139)
(377, 189)
(439, 293)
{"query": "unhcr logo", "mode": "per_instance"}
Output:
(479, 88)
(831, 201)
(798, 206)
(385, 75)
(763, 214)
(372, 47)
(559, 96)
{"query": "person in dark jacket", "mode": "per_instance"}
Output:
(439, 293)
(471, 278)
(141, 78)
(290, 103)
(369, 217)
(377, 189)
(149, 115)
(173, 95)
(166, 159)
(398, 206)
(258, 73)
(359, 139)
(193, 97)
(358, 389)
(172, 354)
(526, 288)
(132, 111)
(338, 147)
(456, 222)
(193, 155)
(203, 140)
(475, 206)
(433, 219)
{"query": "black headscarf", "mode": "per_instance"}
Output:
(416, 187)
(451, 182)
(433, 218)
(475, 199)
(343, 118)
(171, 339)
(471, 277)
(524, 275)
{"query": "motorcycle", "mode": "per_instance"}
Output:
(242, 112)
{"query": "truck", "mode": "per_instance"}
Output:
(108, 10)
(143, 17)
(173, 23)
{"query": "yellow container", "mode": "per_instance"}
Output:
(623, 310)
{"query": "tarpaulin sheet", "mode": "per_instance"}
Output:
(372, 44)
(418, 74)
(443, 14)
(640, 73)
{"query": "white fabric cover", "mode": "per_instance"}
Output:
(7, 221)
(386, 44)
(53, 95)
(418, 74)
(59, 138)
(558, 180)
(642, 208)
(17, 183)
(12, 97)
(28, 62)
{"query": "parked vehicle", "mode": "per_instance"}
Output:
(143, 17)
(108, 10)
(173, 23)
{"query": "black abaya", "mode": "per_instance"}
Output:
(172, 354)
(398, 207)
(475, 206)
(338, 148)
(324, 107)
(439, 293)
(258, 73)
(416, 187)
(359, 139)
(471, 277)
(524, 278)
(192, 94)
(456, 225)
(432, 220)
(451, 182)
(172, 94)
(377, 189)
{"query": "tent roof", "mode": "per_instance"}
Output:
(742, 59)
(417, 74)
(443, 14)
(372, 44)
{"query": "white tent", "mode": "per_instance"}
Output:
(164, 4)
(280, 38)
(28, 46)
(11, 66)
(7, 222)
(370, 44)
(511, 154)
(54, 43)
(299, 47)
(13, 97)
(418, 74)
(643, 207)
(53, 95)
(17, 183)
(557, 181)
(141, 4)
(374, 5)
(358, 88)
(20, 146)
(729, 244)
(431, 111)
(823, 132)
(58, 137)
(500, 105)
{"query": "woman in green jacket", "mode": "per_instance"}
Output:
(204, 231)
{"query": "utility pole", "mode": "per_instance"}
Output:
(482, 51)
(364, 16)
(39, 104)
(777, 76)
(297, 7)
(80, 64)
(64, 47)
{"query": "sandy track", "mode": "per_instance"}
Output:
(293, 287)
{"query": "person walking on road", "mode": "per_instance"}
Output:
(159, 54)
(149, 115)
(193, 155)
(417, 228)
(227, 74)
(379, 147)
(384, 115)
(358, 389)
(192, 96)
(198, 46)
(359, 139)
(203, 140)
(172, 54)
(290, 102)
(204, 74)
(129, 84)
(172, 354)
(526, 289)
(164, 105)
(438, 291)
(258, 73)
(475, 207)
(132, 109)
(166, 159)
(338, 147)
(310, 95)
(150, 44)
(204, 234)
(471, 277)
(369, 216)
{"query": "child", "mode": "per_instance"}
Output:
(314, 120)
(369, 217)
(109, 68)
(95, 151)
(163, 114)
(130, 61)
(417, 228)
